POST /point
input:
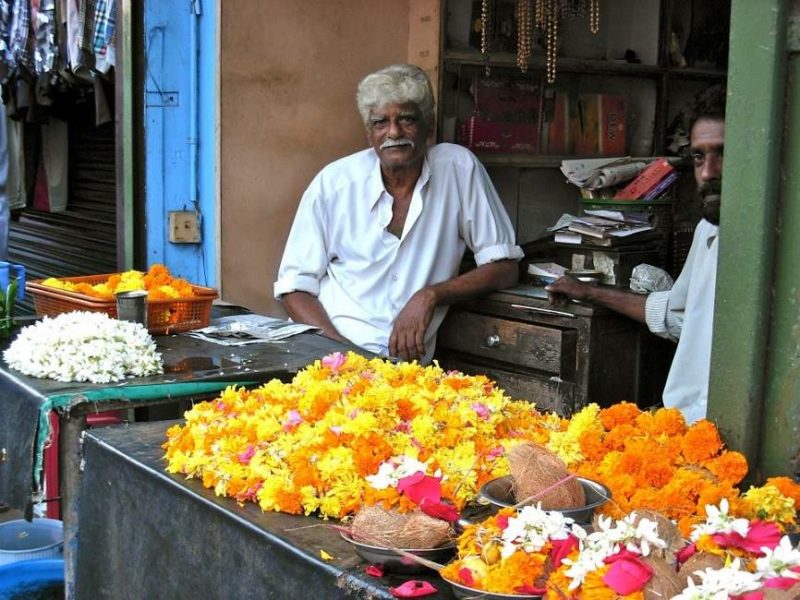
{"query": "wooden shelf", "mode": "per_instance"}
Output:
(716, 75)
(545, 161)
(564, 65)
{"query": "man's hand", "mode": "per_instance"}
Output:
(565, 288)
(408, 334)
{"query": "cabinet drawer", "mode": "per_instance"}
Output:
(548, 393)
(526, 345)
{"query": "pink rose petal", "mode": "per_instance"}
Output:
(334, 361)
(374, 570)
(627, 575)
(439, 510)
(417, 488)
(413, 589)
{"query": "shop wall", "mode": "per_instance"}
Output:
(287, 107)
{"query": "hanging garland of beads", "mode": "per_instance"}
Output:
(486, 32)
(523, 34)
(544, 15)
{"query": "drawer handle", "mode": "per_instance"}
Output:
(544, 311)
(3, 455)
(493, 341)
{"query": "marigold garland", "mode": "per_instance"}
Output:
(309, 445)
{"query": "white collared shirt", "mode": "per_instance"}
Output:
(686, 314)
(340, 250)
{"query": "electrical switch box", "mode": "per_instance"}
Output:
(184, 227)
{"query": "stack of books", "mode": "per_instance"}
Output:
(654, 181)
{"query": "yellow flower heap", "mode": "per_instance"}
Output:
(158, 282)
(307, 446)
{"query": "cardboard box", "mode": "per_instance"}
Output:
(498, 136)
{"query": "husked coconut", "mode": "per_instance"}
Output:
(377, 526)
(534, 468)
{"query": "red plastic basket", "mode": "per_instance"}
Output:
(163, 316)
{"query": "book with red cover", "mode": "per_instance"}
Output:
(498, 136)
(558, 130)
(646, 180)
(602, 125)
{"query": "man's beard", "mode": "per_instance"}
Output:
(709, 193)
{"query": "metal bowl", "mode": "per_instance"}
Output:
(499, 493)
(468, 593)
(397, 563)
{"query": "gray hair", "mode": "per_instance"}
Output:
(396, 84)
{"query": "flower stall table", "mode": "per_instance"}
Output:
(194, 370)
(146, 533)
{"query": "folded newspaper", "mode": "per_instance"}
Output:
(240, 330)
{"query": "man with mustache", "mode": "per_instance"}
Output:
(374, 252)
(685, 313)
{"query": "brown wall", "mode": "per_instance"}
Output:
(288, 77)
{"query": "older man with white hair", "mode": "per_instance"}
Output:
(374, 253)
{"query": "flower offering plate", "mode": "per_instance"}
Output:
(499, 493)
(396, 562)
(468, 593)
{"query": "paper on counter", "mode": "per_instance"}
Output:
(241, 330)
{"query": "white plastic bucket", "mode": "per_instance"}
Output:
(23, 540)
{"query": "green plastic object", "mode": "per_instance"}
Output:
(12, 288)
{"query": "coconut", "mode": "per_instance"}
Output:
(665, 582)
(377, 526)
(534, 468)
(699, 562)
(667, 531)
(793, 593)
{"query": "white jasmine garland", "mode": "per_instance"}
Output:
(719, 520)
(396, 468)
(532, 528)
(84, 346)
(720, 584)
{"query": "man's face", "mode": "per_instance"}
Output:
(398, 135)
(707, 148)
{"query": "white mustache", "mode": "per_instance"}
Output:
(397, 142)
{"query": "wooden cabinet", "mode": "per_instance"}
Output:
(559, 358)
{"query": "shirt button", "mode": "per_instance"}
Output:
(394, 277)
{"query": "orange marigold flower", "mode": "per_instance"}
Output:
(619, 436)
(624, 413)
(729, 466)
(788, 487)
(592, 446)
(701, 442)
(670, 421)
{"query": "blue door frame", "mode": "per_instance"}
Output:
(180, 140)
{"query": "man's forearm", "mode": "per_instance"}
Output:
(619, 300)
(486, 278)
(305, 308)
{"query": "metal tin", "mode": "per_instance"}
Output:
(394, 562)
(499, 493)
(132, 306)
(468, 593)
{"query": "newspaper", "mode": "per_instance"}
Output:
(241, 330)
(599, 173)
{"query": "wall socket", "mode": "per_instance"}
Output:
(184, 227)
